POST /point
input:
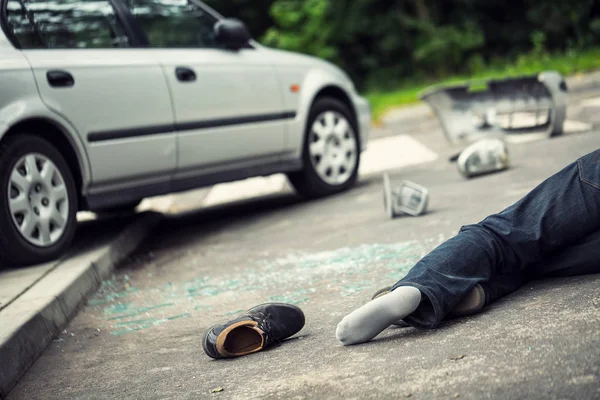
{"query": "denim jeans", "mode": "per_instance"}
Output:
(554, 230)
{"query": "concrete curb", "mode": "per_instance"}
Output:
(30, 323)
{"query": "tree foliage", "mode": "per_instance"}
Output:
(380, 42)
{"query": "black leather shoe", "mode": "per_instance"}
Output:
(256, 329)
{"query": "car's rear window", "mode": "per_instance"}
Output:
(65, 24)
(20, 25)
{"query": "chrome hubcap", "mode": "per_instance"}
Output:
(333, 148)
(37, 200)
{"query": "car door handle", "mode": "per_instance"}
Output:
(185, 74)
(59, 78)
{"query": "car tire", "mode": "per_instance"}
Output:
(328, 150)
(38, 201)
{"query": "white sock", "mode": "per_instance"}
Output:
(368, 321)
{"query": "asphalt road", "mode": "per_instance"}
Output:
(140, 335)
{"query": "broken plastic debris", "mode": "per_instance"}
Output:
(409, 198)
(494, 108)
(217, 390)
(482, 157)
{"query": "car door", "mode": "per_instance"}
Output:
(114, 95)
(228, 104)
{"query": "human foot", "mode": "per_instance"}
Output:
(368, 321)
(470, 304)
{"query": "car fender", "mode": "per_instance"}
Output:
(315, 80)
(20, 102)
(30, 107)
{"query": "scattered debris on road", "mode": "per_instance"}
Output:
(483, 157)
(456, 358)
(217, 390)
(495, 108)
(407, 199)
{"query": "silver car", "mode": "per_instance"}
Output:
(104, 103)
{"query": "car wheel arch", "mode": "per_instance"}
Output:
(52, 131)
(307, 181)
(335, 91)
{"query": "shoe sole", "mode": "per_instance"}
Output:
(381, 292)
(205, 344)
(471, 304)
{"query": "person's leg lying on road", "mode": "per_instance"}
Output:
(472, 303)
(561, 212)
(578, 259)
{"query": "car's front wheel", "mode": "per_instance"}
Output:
(331, 152)
(38, 201)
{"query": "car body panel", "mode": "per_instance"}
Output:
(98, 103)
(20, 101)
(4, 42)
(232, 111)
(362, 109)
(312, 75)
(185, 135)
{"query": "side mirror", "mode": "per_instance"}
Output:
(233, 33)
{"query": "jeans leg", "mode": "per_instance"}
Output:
(502, 285)
(579, 259)
(561, 211)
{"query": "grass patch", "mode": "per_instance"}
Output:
(565, 63)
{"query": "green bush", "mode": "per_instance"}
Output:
(409, 43)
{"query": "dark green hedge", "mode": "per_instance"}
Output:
(382, 42)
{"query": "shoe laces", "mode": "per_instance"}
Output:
(264, 324)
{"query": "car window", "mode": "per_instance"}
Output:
(65, 24)
(175, 23)
(20, 25)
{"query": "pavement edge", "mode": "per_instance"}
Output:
(20, 350)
